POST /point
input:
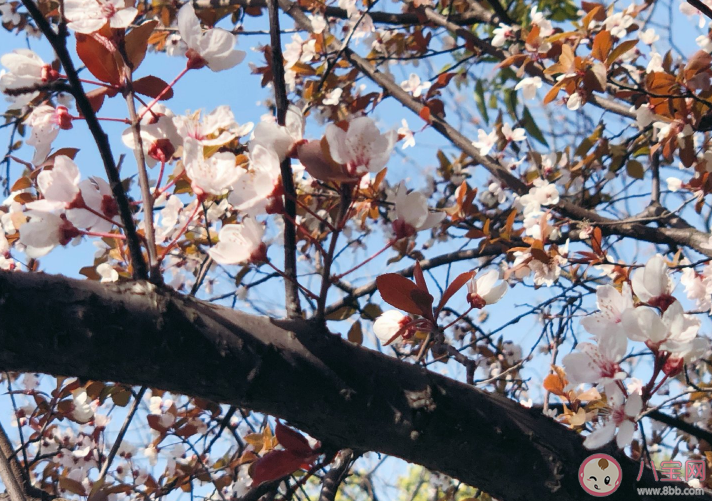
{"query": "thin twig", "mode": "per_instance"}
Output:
(291, 287)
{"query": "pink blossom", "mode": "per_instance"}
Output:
(622, 414)
(361, 148)
(483, 291)
(240, 243)
(215, 48)
(88, 16)
(212, 175)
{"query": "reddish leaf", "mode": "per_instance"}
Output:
(154, 422)
(96, 98)
(152, 87)
(293, 441)
(274, 465)
(455, 286)
(98, 56)
(425, 114)
(602, 45)
(419, 278)
(137, 43)
(403, 294)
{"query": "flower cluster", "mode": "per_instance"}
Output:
(644, 311)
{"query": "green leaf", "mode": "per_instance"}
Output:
(480, 101)
(531, 127)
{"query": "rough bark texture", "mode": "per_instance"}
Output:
(342, 394)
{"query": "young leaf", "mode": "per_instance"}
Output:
(152, 87)
(419, 278)
(403, 294)
(98, 58)
(455, 286)
(292, 441)
(274, 465)
(137, 42)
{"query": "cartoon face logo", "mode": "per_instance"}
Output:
(600, 475)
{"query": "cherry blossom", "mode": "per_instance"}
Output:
(649, 36)
(483, 291)
(542, 193)
(493, 195)
(160, 137)
(361, 148)
(214, 129)
(618, 24)
(407, 135)
(597, 363)
(513, 135)
(240, 243)
(82, 410)
(673, 332)
(652, 284)
(622, 413)
(333, 98)
(501, 34)
(574, 101)
(96, 209)
(388, 324)
(280, 139)
(6, 261)
(540, 20)
(611, 305)
(44, 231)
(46, 121)
(107, 272)
(414, 85)
(704, 42)
(212, 175)
(59, 186)
(412, 214)
(485, 141)
(529, 86)
(215, 48)
(258, 190)
(25, 69)
(299, 51)
(88, 16)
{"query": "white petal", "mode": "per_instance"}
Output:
(600, 437)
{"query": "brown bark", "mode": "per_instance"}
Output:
(344, 395)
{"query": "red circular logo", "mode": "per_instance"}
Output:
(600, 475)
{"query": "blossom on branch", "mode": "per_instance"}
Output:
(483, 291)
(214, 48)
(240, 243)
(212, 175)
(88, 16)
(412, 213)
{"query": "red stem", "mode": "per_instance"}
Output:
(163, 92)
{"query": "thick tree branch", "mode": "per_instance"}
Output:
(59, 44)
(344, 395)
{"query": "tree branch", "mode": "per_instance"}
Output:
(346, 396)
(291, 286)
(336, 475)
